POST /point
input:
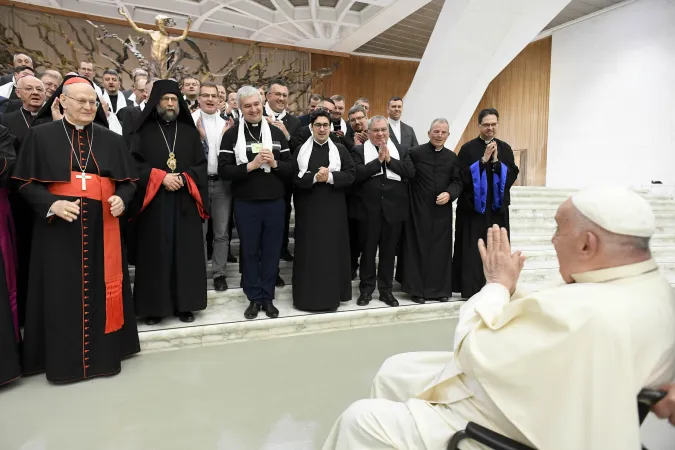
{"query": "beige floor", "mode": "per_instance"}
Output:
(281, 394)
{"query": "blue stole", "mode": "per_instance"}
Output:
(480, 187)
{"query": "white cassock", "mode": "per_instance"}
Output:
(557, 369)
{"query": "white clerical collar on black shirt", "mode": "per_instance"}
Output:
(77, 127)
(320, 144)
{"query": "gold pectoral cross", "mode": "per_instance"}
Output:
(84, 179)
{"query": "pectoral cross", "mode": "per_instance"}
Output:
(84, 180)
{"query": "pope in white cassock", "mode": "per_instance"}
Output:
(559, 368)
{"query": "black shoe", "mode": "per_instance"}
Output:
(280, 282)
(354, 274)
(364, 299)
(417, 299)
(444, 299)
(388, 298)
(231, 258)
(219, 283)
(252, 310)
(271, 311)
(152, 320)
(286, 255)
(186, 317)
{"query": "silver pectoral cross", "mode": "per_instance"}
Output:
(84, 180)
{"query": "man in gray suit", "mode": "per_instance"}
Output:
(401, 133)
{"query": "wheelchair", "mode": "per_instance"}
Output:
(646, 399)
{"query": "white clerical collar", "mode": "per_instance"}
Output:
(77, 127)
(486, 142)
(437, 149)
(320, 144)
(394, 122)
(31, 113)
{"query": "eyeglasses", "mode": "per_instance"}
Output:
(31, 89)
(84, 103)
(209, 95)
(489, 125)
(169, 99)
(280, 94)
(321, 125)
(356, 119)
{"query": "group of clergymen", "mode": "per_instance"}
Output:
(96, 178)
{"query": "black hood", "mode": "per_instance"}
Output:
(159, 89)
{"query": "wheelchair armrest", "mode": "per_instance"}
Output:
(493, 439)
(651, 397)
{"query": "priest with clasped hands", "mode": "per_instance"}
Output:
(79, 178)
(556, 369)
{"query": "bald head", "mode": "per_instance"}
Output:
(31, 91)
(582, 245)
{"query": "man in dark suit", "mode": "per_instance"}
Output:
(20, 59)
(276, 114)
(400, 132)
(381, 206)
(314, 101)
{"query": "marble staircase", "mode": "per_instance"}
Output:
(532, 226)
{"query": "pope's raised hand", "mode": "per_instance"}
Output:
(499, 264)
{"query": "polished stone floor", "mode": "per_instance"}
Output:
(276, 394)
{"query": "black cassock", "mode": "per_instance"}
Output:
(66, 305)
(19, 122)
(484, 202)
(425, 264)
(10, 336)
(321, 268)
(170, 264)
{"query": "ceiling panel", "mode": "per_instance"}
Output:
(409, 37)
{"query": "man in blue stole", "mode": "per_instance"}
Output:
(488, 171)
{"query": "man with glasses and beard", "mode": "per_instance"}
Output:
(170, 263)
(488, 163)
(357, 134)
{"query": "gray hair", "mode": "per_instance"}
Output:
(246, 92)
(439, 120)
(357, 108)
(376, 119)
(16, 55)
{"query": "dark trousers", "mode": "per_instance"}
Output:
(378, 233)
(354, 243)
(260, 225)
(287, 224)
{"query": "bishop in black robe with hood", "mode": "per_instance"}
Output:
(80, 319)
(170, 265)
(485, 200)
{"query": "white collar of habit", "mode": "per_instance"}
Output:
(270, 112)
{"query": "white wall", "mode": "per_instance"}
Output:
(612, 105)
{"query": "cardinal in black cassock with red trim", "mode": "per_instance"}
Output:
(488, 170)
(79, 178)
(10, 335)
(170, 264)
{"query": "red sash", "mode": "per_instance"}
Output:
(101, 189)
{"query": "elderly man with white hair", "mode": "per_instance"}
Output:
(558, 368)
(256, 157)
(78, 177)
